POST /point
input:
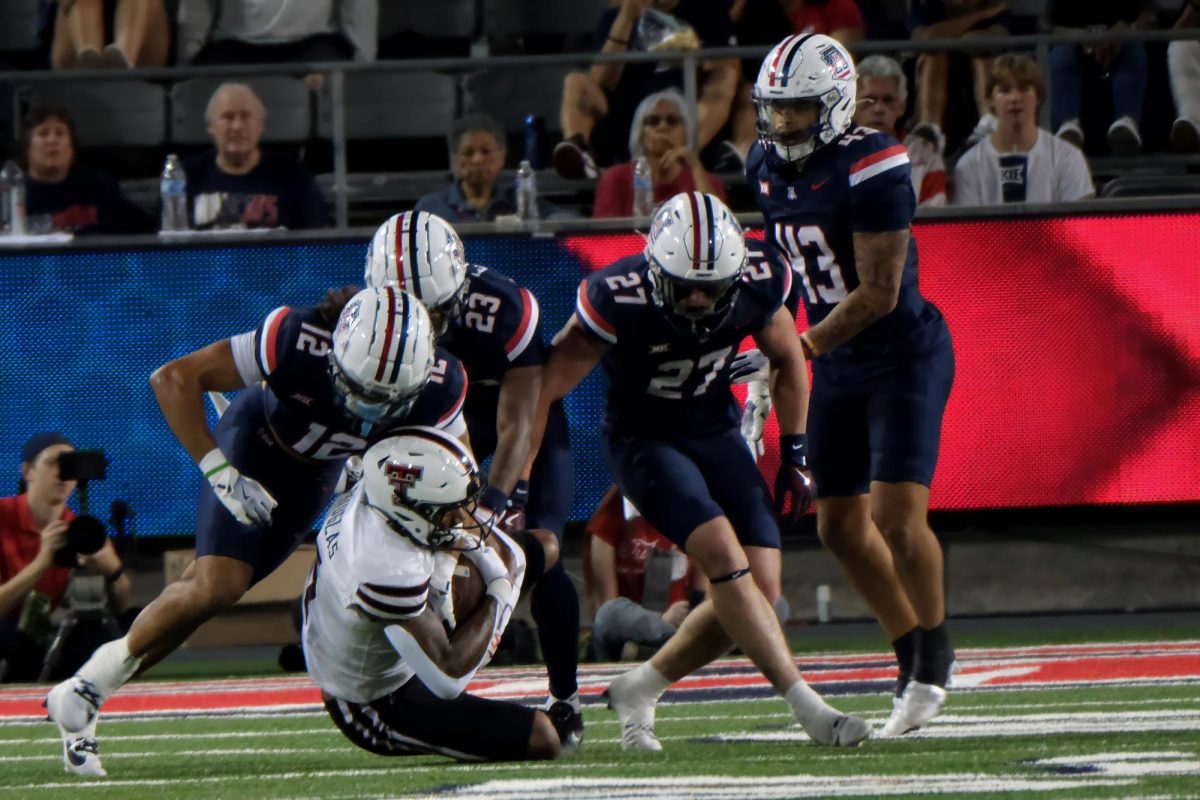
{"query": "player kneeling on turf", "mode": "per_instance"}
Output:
(381, 638)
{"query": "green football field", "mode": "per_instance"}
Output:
(1132, 731)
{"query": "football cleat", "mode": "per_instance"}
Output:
(73, 704)
(897, 724)
(636, 715)
(81, 756)
(568, 721)
(844, 730)
(920, 703)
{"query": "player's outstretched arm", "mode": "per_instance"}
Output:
(180, 386)
(574, 354)
(880, 260)
(789, 374)
(515, 414)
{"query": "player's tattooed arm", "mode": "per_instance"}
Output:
(515, 416)
(574, 354)
(179, 387)
(789, 374)
(879, 258)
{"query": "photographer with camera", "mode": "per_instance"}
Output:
(44, 547)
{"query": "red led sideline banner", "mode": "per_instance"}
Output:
(1077, 342)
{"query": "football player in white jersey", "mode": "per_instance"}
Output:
(391, 663)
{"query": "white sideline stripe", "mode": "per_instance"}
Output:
(224, 752)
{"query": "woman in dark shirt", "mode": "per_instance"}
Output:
(62, 195)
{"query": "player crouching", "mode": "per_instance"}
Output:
(380, 636)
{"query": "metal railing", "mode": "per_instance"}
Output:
(689, 61)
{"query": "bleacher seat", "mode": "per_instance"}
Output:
(18, 25)
(568, 24)
(442, 19)
(1151, 186)
(109, 113)
(510, 95)
(288, 102)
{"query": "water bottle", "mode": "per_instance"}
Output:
(535, 134)
(527, 209)
(12, 198)
(173, 193)
(643, 188)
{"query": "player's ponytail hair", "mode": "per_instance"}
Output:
(334, 301)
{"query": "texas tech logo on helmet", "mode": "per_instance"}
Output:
(402, 477)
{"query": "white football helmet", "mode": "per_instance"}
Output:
(420, 253)
(382, 355)
(695, 243)
(805, 71)
(415, 477)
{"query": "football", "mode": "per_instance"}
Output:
(466, 589)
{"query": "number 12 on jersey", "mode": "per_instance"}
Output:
(820, 273)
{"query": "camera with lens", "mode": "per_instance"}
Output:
(85, 533)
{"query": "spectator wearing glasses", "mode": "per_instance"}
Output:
(882, 98)
(1020, 163)
(662, 126)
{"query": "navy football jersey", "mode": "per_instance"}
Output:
(289, 353)
(859, 183)
(499, 328)
(663, 381)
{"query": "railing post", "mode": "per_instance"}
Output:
(337, 97)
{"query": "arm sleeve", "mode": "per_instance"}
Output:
(438, 682)
(613, 196)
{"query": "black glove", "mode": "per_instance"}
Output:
(794, 478)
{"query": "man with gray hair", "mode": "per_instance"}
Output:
(477, 153)
(238, 185)
(882, 99)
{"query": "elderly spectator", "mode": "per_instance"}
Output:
(1183, 61)
(1020, 162)
(140, 35)
(632, 603)
(477, 153)
(661, 127)
(882, 98)
(238, 185)
(598, 105)
(268, 31)
(63, 195)
(759, 22)
(1124, 63)
(953, 19)
(33, 526)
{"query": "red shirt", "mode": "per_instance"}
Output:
(19, 545)
(633, 540)
(826, 17)
(614, 192)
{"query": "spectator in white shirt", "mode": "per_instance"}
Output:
(269, 31)
(1183, 61)
(882, 98)
(1020, 163)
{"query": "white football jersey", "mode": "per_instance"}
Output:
(366, 577)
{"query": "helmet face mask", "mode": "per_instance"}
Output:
(804, 95)
(697, 255)
(427, 487)
(382, 356)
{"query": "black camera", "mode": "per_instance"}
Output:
(82, 465)
(85, 535)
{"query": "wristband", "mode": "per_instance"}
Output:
(500, 590)
(615, 40)
(793, 449)
(494, 498)
(213, 462)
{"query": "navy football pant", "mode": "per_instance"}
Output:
(554, 602)
(679, 484)
(882, 427)
(303, 489)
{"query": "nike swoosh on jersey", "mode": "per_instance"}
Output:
(818, 184)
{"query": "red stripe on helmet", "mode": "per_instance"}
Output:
(387, 336)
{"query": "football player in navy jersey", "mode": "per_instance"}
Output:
(838, 200)
(665, 325)
(494, 327)
(314, 393)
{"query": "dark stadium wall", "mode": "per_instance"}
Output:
(1077, 342)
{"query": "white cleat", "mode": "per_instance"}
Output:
(73, 705)
(898, 723)
(844, 730)
(920, 703)
(636, 715)
(81, 756)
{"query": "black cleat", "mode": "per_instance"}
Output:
(569, 724)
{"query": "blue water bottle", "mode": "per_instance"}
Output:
(535, 134)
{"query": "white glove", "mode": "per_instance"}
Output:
(352, 472)
(488, 562)
(441, 596)
(749, 366)
(245, 498)
(754, 415)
